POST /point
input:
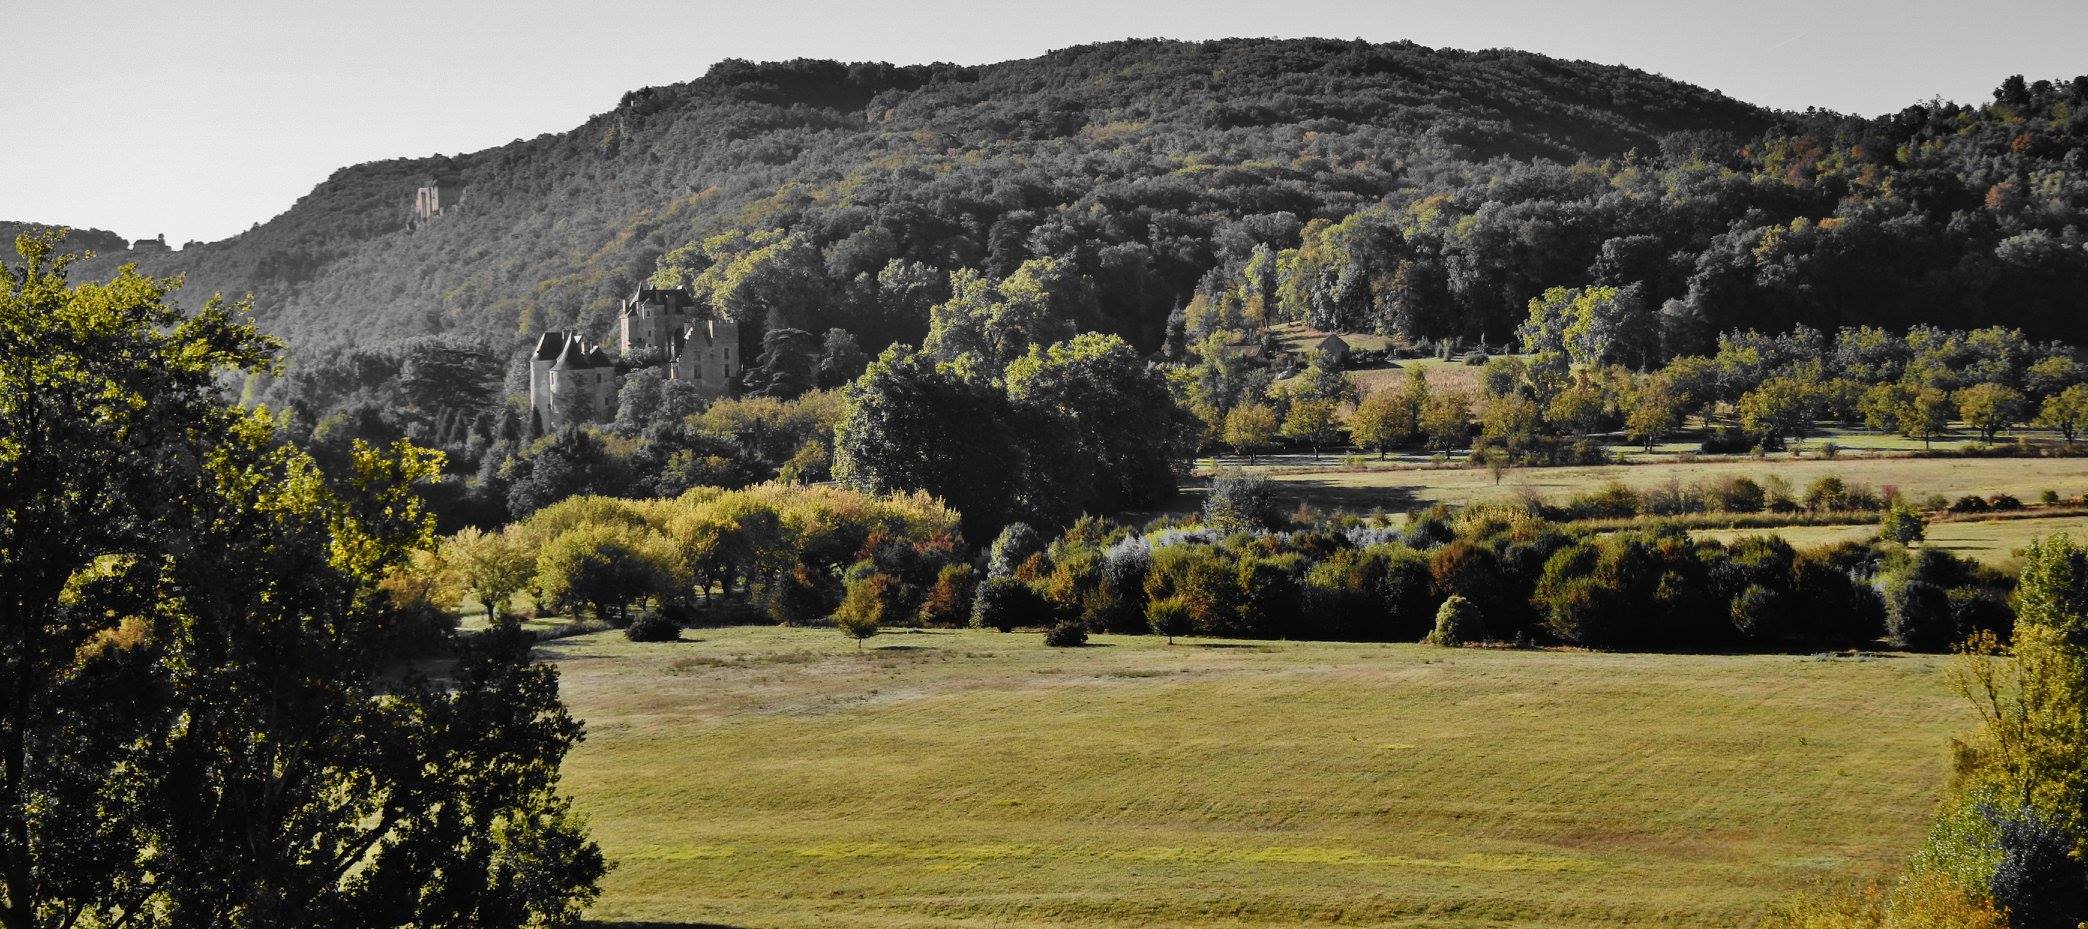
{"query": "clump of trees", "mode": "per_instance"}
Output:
(795, 553)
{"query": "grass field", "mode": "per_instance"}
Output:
(1992, 541)
(1915, 477)
(763, 777)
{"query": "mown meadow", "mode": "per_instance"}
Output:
(771, 777)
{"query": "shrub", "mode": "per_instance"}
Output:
(1005, 603)
(1918, 616)
(1241, 503)
(1011, 548)
(2037, 882)
(2048, 497)
(1457, 623)
(653, 627)
(1969, 504)
(1740, 495)
(1756, 612)
(1727, 440)
(802, 595)
(1827, 493)
(948, 603)
(2003, 502)
(1066, 634)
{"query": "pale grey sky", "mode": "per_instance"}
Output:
(198, 118)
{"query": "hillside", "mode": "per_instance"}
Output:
(1171, 143)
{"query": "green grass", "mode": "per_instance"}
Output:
(776, 778)
(1915, 477)
(1993, 541)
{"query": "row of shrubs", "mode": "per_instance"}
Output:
(1520, 579)
(1746, 496)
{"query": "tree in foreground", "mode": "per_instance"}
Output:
(205, 722)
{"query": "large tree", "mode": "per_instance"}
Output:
(204, 720)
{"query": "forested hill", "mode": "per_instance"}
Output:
(1139, 158)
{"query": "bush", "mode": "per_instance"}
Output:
(1918, 616)
(1011, 548)
(2003, 502)
(1756, 612)
(948, 604)
(2037, 882)
(1457, 623)
(1969, 504)
(1066, 634)
(653, 627)
(1005, 603)
(1726, 440)
(1740, 495)
(1241, 502)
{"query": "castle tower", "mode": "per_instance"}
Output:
(651, 317)
(436, 197)
(706, 354)
(568, 375)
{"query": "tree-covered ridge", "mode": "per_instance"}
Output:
(1175, 137)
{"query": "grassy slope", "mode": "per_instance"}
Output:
(775, 778)
(1916, 477)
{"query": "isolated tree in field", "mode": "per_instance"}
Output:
(1169, 617)
(1579, 408)
(1447, 421)
(1511, 419)
(865, 606)
(1991, 408)
(1783, 407)
(1249, 428)
(205, 723)
(1902, 523)
(1925, 415)
(1313, 421)
(493, 567)
(2066, 412)
(1379, 421)
(1653, 415)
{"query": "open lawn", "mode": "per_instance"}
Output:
(1992, 541)
(1916, 477)
(766, 777)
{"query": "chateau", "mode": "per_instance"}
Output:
(572, 377)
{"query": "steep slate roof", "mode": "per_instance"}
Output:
(549, 345)
(577, 356)
(1333, 343)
